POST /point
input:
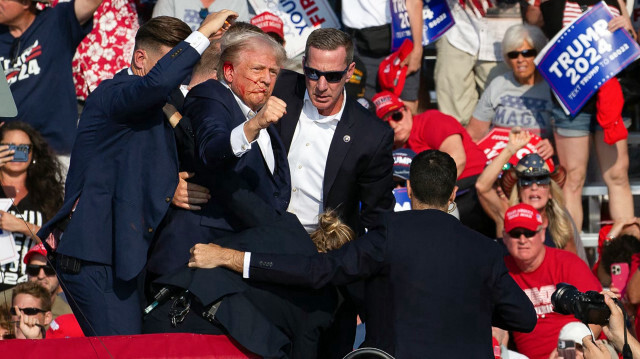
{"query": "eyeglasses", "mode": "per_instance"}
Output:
(330, 76)
(525, 53)
(33, 270)
(8, 336)
(517, 232)
(27, 311)
(530, 180)
(395, 116)
(399, 183)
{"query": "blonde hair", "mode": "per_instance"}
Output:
(558, 219)
(332, 233)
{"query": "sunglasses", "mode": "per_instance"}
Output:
(395, 116)
(33, 270)
(27, 311)
(330, 76)
(525, 53)
(516, 233)
(529, 181)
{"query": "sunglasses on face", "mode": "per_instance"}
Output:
(395, 116)
(330, 76)
(529, 181)
(525, 53)
(516, 233)
(33, 270)
(27, 311)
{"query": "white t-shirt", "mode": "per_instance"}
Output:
(189, 10)
(358, 14)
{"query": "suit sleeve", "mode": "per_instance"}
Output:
(512, 308)
(376, 184)
(151, 91)
(211, 118)
(360, 258)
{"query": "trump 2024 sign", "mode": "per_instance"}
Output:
(583, 56)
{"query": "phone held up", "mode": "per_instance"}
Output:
(21, 153)
(619, 275)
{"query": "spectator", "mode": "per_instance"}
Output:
(193, 12)
(434, 130)
(6, 327)
(331, 233)
(520, 97)
(422, 314)
(402, 158)
(537, 269)
(107, 49)
(536, 186)
(30, 310)
(570, 341)
(601, 116)
(369, 24)
(271, 24)
(36, 48)
(39, 271)
(123, 130)
(468, 55)
(35, 187)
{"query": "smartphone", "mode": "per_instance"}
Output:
(21, 153)
(566, 349)
(619, 275)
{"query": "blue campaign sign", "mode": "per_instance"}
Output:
(437, 20)
(582, 57)
(403, 203)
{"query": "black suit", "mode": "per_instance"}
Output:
(359, 167)
(448, 283)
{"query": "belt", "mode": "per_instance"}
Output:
(69, 265)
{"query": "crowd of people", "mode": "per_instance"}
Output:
(175, 158)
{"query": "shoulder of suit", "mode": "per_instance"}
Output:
(364, 117)
(210, 89)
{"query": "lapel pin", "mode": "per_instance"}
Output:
(346, 138)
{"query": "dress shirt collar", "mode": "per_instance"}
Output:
(246, 111)
(312, 112)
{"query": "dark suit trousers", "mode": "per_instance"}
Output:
(102, 304)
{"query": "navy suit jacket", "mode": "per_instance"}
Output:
(214, 113)
(123, 168)
(448, 284)
(358, 178)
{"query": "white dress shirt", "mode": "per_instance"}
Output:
(308, 159)
(239, 143)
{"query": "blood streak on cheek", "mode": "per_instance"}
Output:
(260, 87)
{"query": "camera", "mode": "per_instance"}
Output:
(588, 307)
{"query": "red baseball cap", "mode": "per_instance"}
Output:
(391, 75)
(522, 216)
(38, 248)
(269, 22)
(386, 102)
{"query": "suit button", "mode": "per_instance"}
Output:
(168, 199)
(276, 194)
(150, 229)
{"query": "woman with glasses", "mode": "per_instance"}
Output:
(530, 182)
(518, 98)
(31, 181)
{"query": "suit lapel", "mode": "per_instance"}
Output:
(340, 144)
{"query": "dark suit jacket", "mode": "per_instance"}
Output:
(359, 166)
(213, 113)
(123, 168)
(270, 320)
(448, 284)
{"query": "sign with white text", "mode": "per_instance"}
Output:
(496, 141)
(583, 56)
(437, 20)
(300, 18)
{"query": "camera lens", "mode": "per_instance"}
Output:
(564, 297)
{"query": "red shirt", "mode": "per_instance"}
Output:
(432, 127)
(558, 266)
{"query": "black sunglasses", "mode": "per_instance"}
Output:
(516, 233)
(27, 311)
(530, 180)
(525, 53)
(33, 270)
(330, 76)
(395, 116)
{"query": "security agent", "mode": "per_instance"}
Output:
(432, 295)
(122, 177)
